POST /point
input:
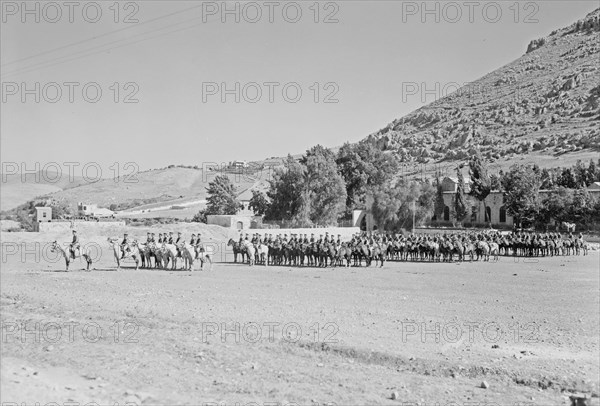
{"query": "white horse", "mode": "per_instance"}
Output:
(251, 251)
(80, 253)
(134, 252)
(169, 252)
(205, 254)
(262, 251)
(146, 254)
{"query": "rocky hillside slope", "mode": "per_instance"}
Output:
(546, 103)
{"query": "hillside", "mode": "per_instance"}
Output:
(542, 106)
(175, 186)
(17, 189)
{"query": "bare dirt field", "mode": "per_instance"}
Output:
(345, 336)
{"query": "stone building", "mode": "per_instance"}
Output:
(494, 205)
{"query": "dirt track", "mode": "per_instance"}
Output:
(370, 339)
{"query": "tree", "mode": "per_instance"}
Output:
(285, 191)
(582, 206)
(495, 182)
(566, 179)
(311, 191)
(258, 203)
(222, 197)
(547, 179)
(480, 181)
(393, 205)
(439, 200)
(363, 166)
(580, 173)
(200, 217)
(555, 206)
(521, 185)
(593, 173)
(460, 207)
(386, 207)
(324, 187)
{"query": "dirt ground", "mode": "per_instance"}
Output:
(345, 336)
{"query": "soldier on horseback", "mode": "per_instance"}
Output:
(74, 244)
(124, 245)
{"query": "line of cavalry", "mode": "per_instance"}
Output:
(323, 252)
(377, 248)
(165, 251)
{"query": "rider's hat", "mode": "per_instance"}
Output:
(193, 235)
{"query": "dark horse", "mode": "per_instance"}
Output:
(237, 249)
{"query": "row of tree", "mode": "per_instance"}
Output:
(323, 187)
(521, 186)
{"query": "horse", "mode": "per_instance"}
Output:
(262, 251)
(134, 252)
(188, 254)
(169, 252)
(80, 253)
(379, 253)
(483, 250)
(238, 248)
(146, 254)
(204, 254)
(344, 253)
(250, 252)
(494, 250)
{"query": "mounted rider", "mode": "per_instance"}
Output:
(74, 244)
(125, 245)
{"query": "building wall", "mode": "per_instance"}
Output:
(359, 215)
(39, 214)
(231, 221)
(494, 201)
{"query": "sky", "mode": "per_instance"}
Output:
(156, 83)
